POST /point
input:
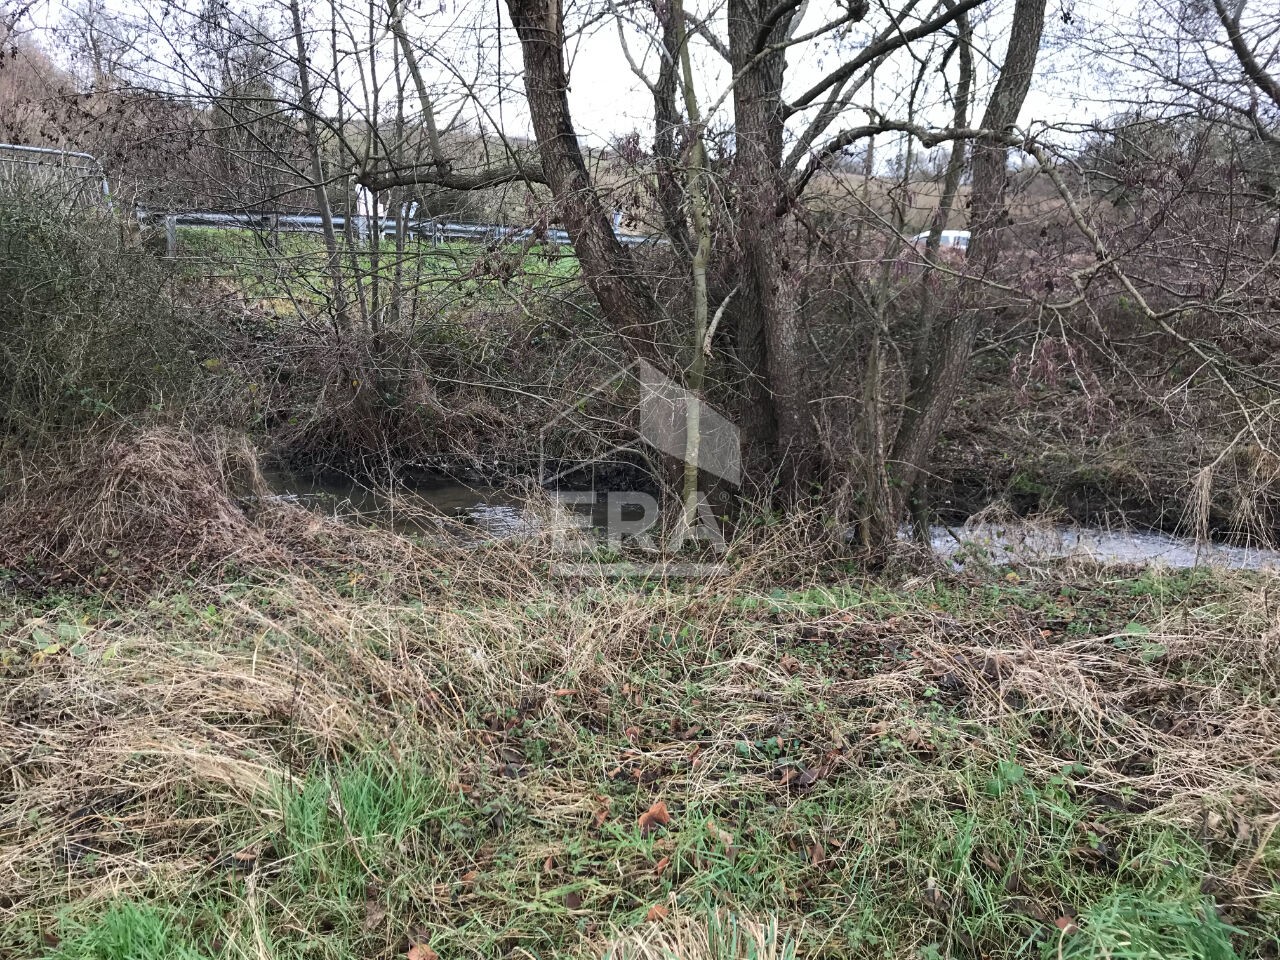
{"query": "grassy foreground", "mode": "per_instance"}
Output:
(463, 756)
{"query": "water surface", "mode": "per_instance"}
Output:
(494, 513)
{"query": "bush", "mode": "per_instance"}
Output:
(91, 327)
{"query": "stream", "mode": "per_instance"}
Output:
(488, 513)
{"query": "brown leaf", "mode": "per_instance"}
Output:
(656, 912)
(661, 865)
(564, 692)
(602, 812)
(549, 864)
(468, 879)
(573, 900)
(817, 855)
(420, 951)
(1067, 924)
(656, 816)
(374, 914)
(724, 836)
(933, 897)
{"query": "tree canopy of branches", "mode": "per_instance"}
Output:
(783, 156)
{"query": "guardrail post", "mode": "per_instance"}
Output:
(270, 225)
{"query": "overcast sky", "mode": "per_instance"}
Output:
(608, 100)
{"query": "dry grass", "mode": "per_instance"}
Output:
(456, 751)
(124, 511)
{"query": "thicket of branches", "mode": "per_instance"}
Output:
(786, 288)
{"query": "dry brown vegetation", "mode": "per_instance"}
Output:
(123, 510)
(458, 751)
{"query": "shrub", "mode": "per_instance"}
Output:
(92, 329)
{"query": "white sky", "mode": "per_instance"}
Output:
(609, 101)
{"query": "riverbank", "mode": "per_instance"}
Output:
(461, 754)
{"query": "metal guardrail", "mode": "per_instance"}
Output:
(20, 156)
(433, 231)
(51, 160)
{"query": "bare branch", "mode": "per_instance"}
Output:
(884, 44)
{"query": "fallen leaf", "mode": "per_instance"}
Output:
(817, 855)
(548, 864)
(602, 812)
(656, 816)
(573, 900)
(1067, 924)
(661, 865)
(374, 914)
(420, 951)
(656, 912)
(724, 836)
(933, 897)
(247, 855)
(468, 879)
(564, 692)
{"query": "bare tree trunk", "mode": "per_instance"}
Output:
(777, 426)
(666, 121)
(696, 177)
(948, 350)
(607, 266)
(305, 100)
(917, 495)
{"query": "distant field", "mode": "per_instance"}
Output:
(298, 262)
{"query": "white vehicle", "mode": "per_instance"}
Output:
(957, 240)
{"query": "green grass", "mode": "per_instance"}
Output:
(297, 266)
(950, 768)
(127, 931)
